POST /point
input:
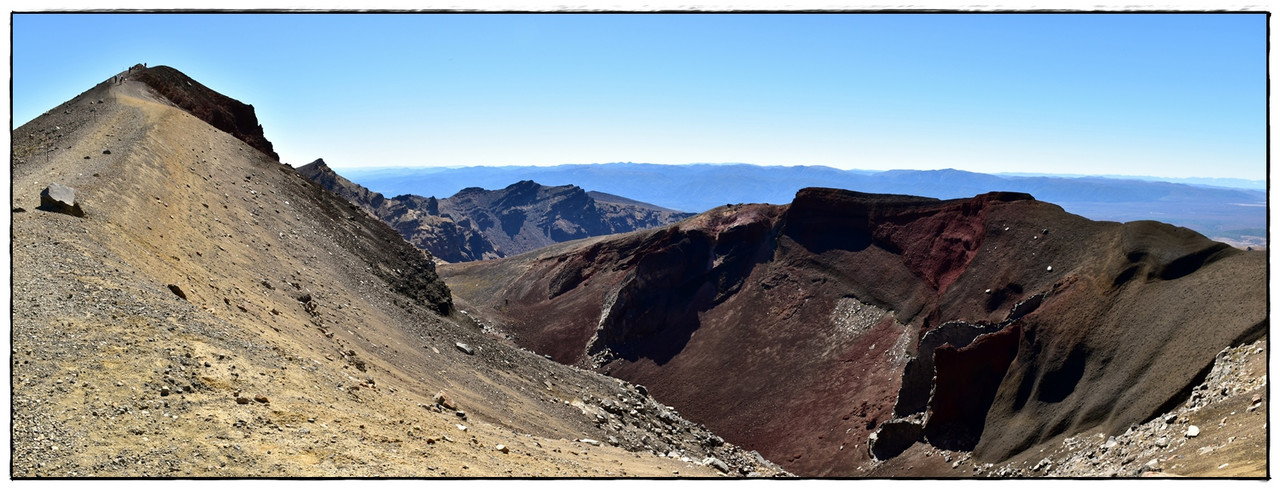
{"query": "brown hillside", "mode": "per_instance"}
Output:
(214, 313)
(988, 325)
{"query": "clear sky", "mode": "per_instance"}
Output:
(1176, 95)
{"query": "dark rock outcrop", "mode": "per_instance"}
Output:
(895, 436)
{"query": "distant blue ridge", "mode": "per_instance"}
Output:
(1215, 211)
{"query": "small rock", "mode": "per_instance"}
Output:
(1223, 465)
(1171, 418)
(178, 291)
(60, 199)
(502, 449)
(1153, 465)
(443, 400)
(462, 415)
(1193, 431)
(1050, 268)
(465, 348)
(719, 465)
(242, 400)
(106, 152)
(164, 391)
(261, 399)
(592, 442)
(19, 210)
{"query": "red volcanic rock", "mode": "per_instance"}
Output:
(829, 312)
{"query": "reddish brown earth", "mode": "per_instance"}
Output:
(788, 329)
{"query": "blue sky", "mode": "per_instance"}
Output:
(1177, 95)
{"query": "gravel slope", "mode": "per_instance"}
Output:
(300, 344)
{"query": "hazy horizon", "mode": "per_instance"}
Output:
(1257, 184)
(1161, 95)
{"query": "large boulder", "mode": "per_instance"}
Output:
(59, 198)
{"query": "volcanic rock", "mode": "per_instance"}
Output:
(895, 436)
(839, 296)
(60, 199)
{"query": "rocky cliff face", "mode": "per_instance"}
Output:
(477, 224)
(991, 324)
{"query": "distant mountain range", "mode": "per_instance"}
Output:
(476, 224)
(1234, 215)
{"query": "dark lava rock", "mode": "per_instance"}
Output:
(895, 436)
(965, 384)
(59, 198)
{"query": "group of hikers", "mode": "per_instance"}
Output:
(119, 79)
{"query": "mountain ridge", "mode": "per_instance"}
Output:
(1233, 215)
(476, 224)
